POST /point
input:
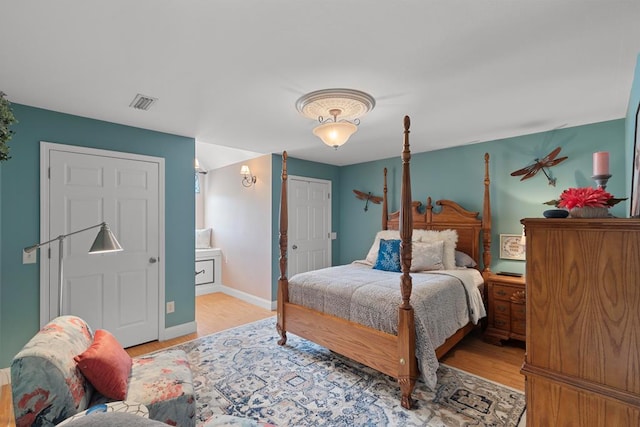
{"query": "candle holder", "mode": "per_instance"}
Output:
(601, 180)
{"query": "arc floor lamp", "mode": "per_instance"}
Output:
(104, 242)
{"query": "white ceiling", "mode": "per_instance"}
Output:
(228, 72)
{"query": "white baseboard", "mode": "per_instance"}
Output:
(207, 289)
(5, 376)
(251, 299)
(191, 327)
(178, 331)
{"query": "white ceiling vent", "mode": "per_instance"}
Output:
(142, 102)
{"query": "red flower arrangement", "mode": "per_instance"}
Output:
(585, 197)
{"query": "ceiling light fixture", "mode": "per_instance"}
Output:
(337, 110)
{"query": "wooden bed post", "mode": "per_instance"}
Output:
(283, 282)
(407, 363)
(486, 221)
(385, 204)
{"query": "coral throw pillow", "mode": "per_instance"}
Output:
(106, 365)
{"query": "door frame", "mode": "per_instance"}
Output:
(329, 211)
(45, 149)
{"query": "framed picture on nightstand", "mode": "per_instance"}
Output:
(510, 247)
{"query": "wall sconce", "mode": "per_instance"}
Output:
(198, 168)
(247, 180)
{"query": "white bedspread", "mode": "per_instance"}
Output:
(443, 302)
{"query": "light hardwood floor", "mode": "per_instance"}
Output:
(214, 313)
(217, 312)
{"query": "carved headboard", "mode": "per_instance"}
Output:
(472, 229)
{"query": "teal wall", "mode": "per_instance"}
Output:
(310, 170)
(458, 174)
(630, 128)
(20, 208)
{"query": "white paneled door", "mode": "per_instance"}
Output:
(118, 291)
(309, 234)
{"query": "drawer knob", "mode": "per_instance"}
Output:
(153, 260)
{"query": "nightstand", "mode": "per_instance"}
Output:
(507, 308)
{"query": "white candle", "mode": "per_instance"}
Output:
(601, 163)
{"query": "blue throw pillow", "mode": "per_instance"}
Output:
(388, 256)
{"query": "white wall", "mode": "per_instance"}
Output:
(241, 221)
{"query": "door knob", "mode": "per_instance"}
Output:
(294, 247)
(153, 260)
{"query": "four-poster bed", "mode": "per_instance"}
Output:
(391, 351)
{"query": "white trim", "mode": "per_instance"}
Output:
(177, 331)
(209, 288)
(5, 377)
(251, 299)
(45, 149)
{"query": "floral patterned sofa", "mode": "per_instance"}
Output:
(48, 387)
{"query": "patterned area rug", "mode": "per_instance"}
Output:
(244, 372)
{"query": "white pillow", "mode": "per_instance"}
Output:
(427, 256)
(372, 256)
(450, 239)
(203, 238)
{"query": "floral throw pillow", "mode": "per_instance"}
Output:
(388, 256)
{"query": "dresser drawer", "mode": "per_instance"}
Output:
(501, 307)
(518, 326)
(205, 271)
(502, 322)
(518, 312)
(502, 292)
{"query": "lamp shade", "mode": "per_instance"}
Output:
(334, 134)
(244, 170)
(105, 242)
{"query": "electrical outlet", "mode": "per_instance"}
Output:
(29, 257)
(171, 307)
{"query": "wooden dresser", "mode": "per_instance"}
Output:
(506, 304)
(582, 362)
